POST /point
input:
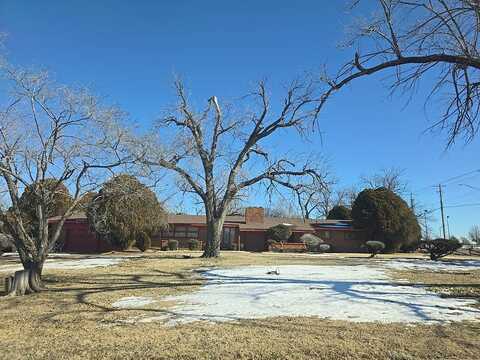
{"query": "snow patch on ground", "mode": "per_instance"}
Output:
(359, 293)
(428, 265)
(78, 263)
(133, 302)
(52, 255)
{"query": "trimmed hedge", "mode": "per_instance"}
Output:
(279, 233)
(439, 248)
(172, 244)
(323, 247)
(374, 247)
(193, 244)
(311, 241)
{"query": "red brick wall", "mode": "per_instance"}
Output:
(79, 238)
(343, 241)
(254, 215)
(253, 240)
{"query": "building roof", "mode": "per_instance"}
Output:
(298, 224)
(74, 216)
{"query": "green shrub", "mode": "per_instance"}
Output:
(412, 247)
(323, 247)
(374, 247)
(439, 248)
(279, 233)
(172, 245)
(271, 241)
(339, 212)
(311, 241)
(386, 217)
(144, 242)
(193, 244)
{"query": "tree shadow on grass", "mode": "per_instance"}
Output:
(85, 288)
(111, 283)
(385, 292)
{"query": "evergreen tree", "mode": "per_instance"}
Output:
(386, 217)
(339, 212)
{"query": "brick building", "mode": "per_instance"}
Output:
(240, 232)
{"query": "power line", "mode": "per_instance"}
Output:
(470, 186)
(454, 206)
(460, 176)
(457, 177)
(462, 205)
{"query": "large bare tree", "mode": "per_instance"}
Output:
(415, 40)
(49, 131)
(220, 151)
(389, 178)
(317, 197)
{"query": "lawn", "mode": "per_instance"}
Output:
(76, 318)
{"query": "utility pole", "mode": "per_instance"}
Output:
(412, 203)
(441, 209)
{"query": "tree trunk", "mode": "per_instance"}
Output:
(214, 237)
(26, 281)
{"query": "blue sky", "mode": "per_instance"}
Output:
(129, 51)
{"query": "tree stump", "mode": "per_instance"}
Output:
(23, 282)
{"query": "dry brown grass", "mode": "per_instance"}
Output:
(75, 320)
(459, 284)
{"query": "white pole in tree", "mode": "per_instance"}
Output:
(426, 224)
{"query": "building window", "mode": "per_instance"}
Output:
(186, 232)
(165, 234)
(180, 232)
(228, 238)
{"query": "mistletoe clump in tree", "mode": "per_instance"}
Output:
(50, 130)
(125, 212)
(58, 200)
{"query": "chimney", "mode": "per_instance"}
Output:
(254, 215)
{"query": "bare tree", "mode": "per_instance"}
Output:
(280, 210)
(217, 153)
(49, 131)
(391, 179)
(329, 198)
(419, 39)
(308, 195)
(349, 195)
(474, 234)
(317, 194)
(317, 198)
